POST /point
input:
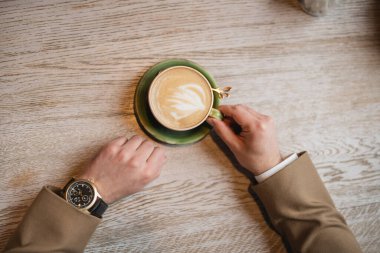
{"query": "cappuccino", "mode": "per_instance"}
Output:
(180, 98)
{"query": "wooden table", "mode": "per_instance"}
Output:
(69, 69)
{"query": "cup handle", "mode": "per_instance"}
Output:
(216, 114)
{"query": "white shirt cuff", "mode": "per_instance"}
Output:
(260, 178)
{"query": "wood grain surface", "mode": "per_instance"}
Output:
(68, 71)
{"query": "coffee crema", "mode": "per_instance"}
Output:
(180, 98)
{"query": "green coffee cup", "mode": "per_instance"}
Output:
(181, 98)
(155, 129)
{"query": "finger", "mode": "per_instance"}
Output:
(144, 150)
(235, 127)
(133, 143)
(157, 159)
(238, 113)
(119, 141)
(264, 116)
(256, 117)
(254, 112)
(229, 121)
(226, 134)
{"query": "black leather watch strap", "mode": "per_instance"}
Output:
(98, 208)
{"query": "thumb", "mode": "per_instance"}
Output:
(225, 132)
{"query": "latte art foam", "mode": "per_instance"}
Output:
(181, 98)
(186, 100)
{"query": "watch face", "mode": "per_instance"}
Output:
(80, 194)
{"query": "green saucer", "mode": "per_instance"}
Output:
(145, 117)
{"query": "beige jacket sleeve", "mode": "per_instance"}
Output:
(52, 225)
(302, 211)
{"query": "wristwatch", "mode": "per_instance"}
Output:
(83, 194)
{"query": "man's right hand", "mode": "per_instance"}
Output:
(124, 167)
(255, 147)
